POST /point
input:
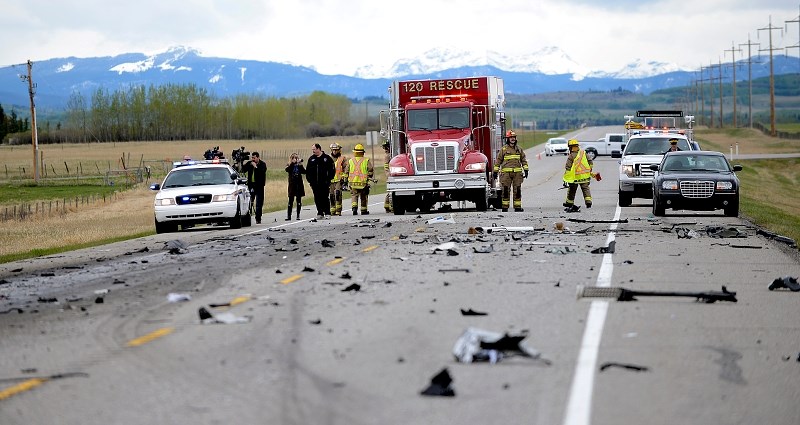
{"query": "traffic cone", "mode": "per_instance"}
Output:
(539, 155)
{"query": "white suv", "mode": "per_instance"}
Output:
(197, 192)
(642, 150)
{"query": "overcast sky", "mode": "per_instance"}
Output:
(338, 36)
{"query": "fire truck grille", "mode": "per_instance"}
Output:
(436, 158)
(697, 189)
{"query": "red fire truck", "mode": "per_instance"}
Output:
(444, 136)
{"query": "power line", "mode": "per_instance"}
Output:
(733, 51)
(750, 77)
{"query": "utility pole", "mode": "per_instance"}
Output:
(702, 99)
(733, 51)
(34, 133)
(750, 78)
(719, 64)
(796, 46)
(770, 28)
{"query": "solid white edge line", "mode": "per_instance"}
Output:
(579, 405)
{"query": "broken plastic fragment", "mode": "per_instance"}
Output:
(472, 312)
(175, 246)
(606, 249)
(440, 385)
(481, 345)
(441, 219)
(174, 298)
(786, 282)
(354, 287)
(624, 366)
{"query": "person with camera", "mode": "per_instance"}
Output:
(256, 170)
(296, 190)
(319, 173)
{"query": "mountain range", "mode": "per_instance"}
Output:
(548, 70)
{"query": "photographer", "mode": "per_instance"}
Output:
(296, 189)
(256, 170)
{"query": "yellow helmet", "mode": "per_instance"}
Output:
(359, 148)
(572, 142)
(335, 146)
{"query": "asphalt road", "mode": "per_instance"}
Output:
(310, 352)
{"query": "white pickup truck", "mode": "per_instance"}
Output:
(607, 145)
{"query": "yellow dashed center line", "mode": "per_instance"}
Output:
(149, 337)
(291, 279)
(335, 261)
(21, 387)
(369, 248)
(239, 300)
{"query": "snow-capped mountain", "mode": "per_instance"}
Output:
(547, 70)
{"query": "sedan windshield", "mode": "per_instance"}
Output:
(696, 163)
(198, 177)
(653, 146)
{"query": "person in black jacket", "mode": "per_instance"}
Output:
(319, 173)
(256, 170)
(296, 189)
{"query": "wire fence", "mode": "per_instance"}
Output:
(54, 207)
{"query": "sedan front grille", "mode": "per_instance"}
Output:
(697, 189)
(436, 158)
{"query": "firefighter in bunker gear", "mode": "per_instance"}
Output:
(387, 156)
(358, 174)
(338, 180)
(513, 167)
(577, 172)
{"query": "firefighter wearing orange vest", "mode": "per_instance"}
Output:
(359, 173)
(339, 164)
(387, 156)
(578, 172)
(513, 167)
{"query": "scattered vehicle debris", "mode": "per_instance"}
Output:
(454, 270)
(441, 219)
(786, 282)
(308, 269)
(478, 345)
(622, 294)
(774, 236)
(627, 366)
(226, 318)
(507, 229)
(44, 300)
(353, 287)
(485, 249)
(327, 243)
(606, 249)
(685, 233)
(561, 250)
(440, 385)
(721, 232)
(472, 312)
(176, 298)
(580, 220)
(315, 322)
(175, 246)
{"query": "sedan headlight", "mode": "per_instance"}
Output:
(223, 198)
(627, 170)
(480, 166)
(724, 185)
(669, 184)
(164, 202)
(398, 170)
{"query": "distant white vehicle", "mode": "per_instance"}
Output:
(610, 143)
(556, 145)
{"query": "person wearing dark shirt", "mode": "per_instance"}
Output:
(296, 189)
(256, 170)
(319, 172)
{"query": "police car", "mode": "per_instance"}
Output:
(198, 192)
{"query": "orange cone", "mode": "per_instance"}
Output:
(539, 155)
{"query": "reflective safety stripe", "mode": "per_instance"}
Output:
(358, 172)
(512, 156)
(512, 170)
(580, 172)
(339, 169)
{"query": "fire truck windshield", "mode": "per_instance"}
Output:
(432, 119)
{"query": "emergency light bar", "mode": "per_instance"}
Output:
(655, 114)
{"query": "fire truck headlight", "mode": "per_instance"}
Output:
(480, 166)
(397, 170)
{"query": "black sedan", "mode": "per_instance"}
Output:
(696, 180)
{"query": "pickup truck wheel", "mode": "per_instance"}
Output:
(732, 210)
(625, 200)
(658, 208)
(591, 154)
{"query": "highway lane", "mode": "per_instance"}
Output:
(313, 353)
